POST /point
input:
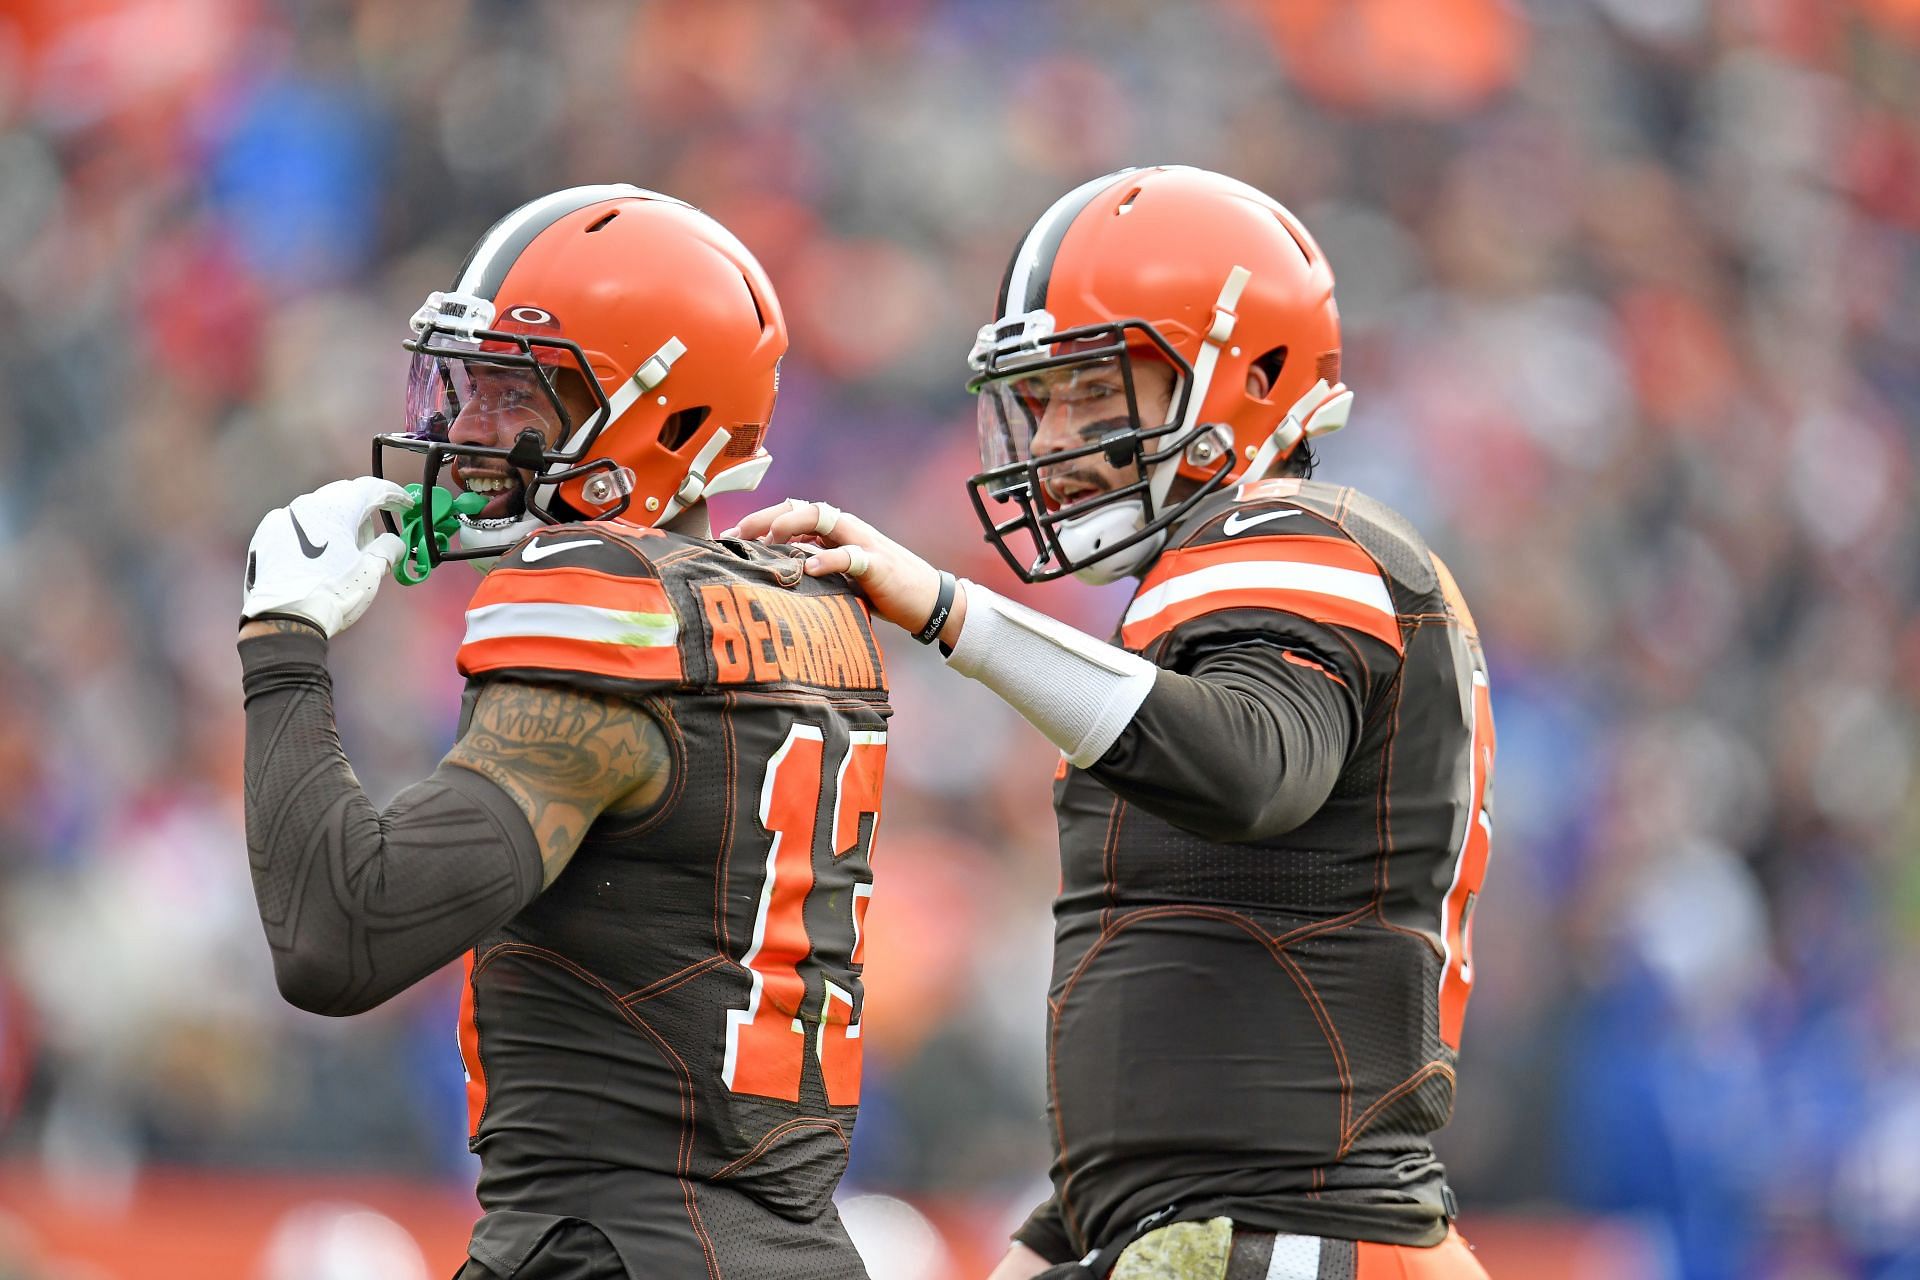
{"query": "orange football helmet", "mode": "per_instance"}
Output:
(1171, 263)
(625, 299)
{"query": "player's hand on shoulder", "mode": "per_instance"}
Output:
(321, 557)
(901, 587)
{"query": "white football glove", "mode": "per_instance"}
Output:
(318, 558)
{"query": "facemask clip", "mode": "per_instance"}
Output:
(1120, 448)
(607, 487)
(529, 452)
(1211, 444)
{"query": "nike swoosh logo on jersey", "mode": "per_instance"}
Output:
(542, 550)
(1236, 522)
(307, 548)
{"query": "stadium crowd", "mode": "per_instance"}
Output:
(1628, 295)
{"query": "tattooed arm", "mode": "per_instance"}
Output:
(565, 757)
(360, 904)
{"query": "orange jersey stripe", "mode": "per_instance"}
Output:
(572, 586)
(1332, 553)
(563, 653)
(1328, 580)
(1331, 610)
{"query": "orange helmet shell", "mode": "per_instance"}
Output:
(633, 279)
(1158, 245)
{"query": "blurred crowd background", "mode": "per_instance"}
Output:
(1629, 298)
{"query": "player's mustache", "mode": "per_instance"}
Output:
(1083, 472)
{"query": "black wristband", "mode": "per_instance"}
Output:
(942, 609)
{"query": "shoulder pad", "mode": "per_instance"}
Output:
(1279, 547)
(575, 600)
(1267, 509)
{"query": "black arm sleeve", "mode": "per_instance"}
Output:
(1045, 1232)
(1245, 747)
(359, 905)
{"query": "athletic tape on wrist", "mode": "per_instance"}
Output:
(1078, 691)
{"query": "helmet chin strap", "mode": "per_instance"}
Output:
(652, 372)
(1124, 519)
(1322, 410)
(694, 486)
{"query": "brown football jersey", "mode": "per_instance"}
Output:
(666, 1043)
(1268, 1028)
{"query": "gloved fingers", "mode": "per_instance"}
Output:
(371, 493)
(387, 549)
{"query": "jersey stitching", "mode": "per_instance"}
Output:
(1382, 880)
(678, 554)
(688, 1115)
(1285, 961)
(804, 695)
(1109, 860)
(1360, 665)
(619, 538)
(1307, 931)
(780, 1131)
(1406, 1086)
(673, 981)
(723, 858)
(1383, 825)
(1067, 1215)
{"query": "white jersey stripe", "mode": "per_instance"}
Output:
(1295, 1258)
(573, 622)
(1365, 589)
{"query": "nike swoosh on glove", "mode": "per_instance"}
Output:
(319, 559)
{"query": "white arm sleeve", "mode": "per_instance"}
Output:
(1078, 691)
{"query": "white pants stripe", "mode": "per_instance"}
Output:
(1295, 1258)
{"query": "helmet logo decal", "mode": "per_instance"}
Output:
(531, 315)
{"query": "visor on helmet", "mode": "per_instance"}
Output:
(445, 382)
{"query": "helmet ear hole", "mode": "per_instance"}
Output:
(679, 427)
(1270, 364)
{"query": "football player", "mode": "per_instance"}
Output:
(651, 840)
(1275, 786)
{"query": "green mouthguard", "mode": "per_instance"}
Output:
(416, 564)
